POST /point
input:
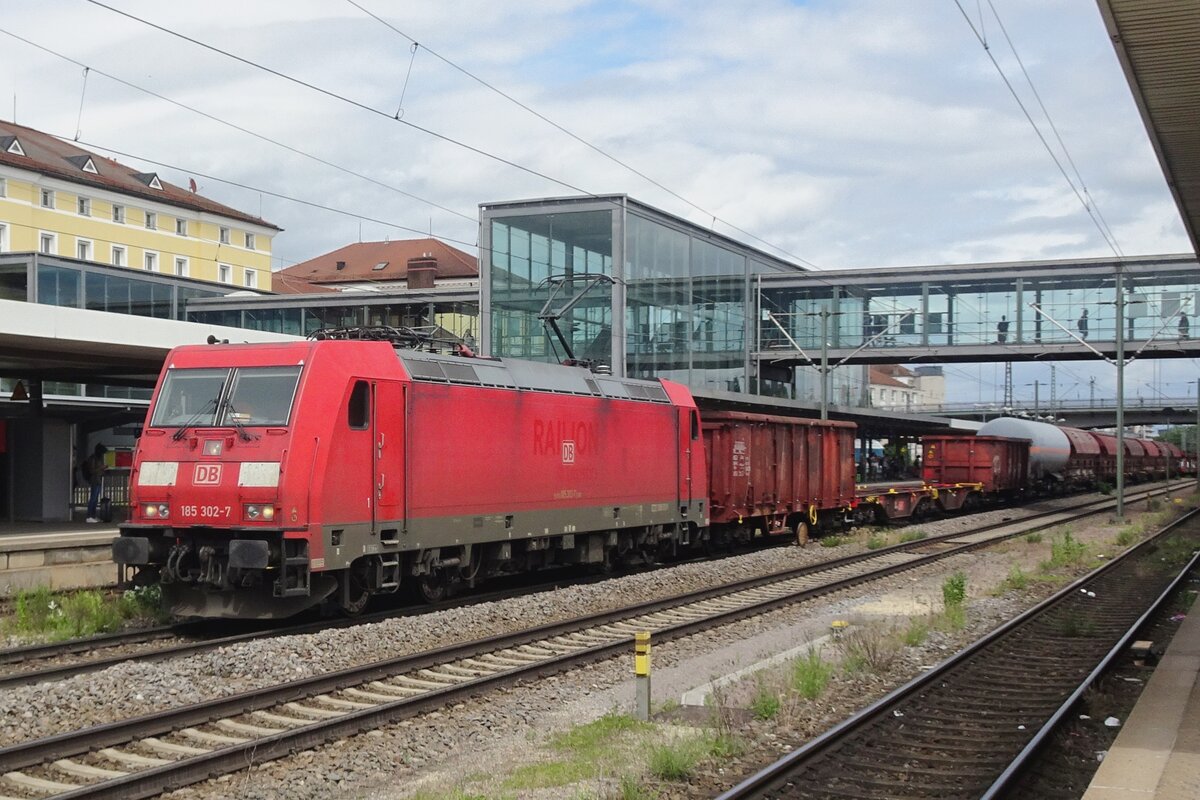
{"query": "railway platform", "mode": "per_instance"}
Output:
(1157, 754)
(59, 556)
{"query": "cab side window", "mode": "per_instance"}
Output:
(359, 410)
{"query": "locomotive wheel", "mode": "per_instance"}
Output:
(802, 533)
(355, 592)
(434, 587)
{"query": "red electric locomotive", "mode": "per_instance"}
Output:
(270, 478)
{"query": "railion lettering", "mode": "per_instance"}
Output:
(549, 435)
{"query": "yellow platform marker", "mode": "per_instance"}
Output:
(838, 625)
(641, 672)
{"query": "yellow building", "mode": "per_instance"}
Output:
(60, 199)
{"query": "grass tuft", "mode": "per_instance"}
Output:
(68, 615)
(954, 589)
(675, 762)
(913, 536)
(868, 649)
(916, 633)
(876, 542)
(765, 704)
(831, 541)
(1033, 538)
(810, 674)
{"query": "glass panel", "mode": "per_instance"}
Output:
(526, 250)
(189, 398)
(14, 282)
(58, 286)
(261, 395)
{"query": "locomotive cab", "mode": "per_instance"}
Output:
(213, 519)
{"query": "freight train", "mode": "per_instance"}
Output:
(271, 478)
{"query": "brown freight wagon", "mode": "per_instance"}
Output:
(774, 475)
(969, 470)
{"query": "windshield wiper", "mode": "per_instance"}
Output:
(179, 434)
(231, 416)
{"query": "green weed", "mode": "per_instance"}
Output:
(913, 536)
(876, 542)
(765, 704)
(1017, 580)
(954, 589)
(868, 649)
(630, 788)
(916, 633)
(810, 674)
(831, 541)
(55, 616)
(1127, 535)
(1065, 551)
(1033, 538)
(675, 762)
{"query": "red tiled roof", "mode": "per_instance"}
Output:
(361, 258)
(53, 157)
(880, 377)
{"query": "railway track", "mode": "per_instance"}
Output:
(60, 660)
(966, 728)
(144, 756)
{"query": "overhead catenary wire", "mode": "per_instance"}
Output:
(235, 126)
(1050, 120)
(1112, 244)
(562, 129)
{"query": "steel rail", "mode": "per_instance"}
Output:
(777, 774)
(144, 783)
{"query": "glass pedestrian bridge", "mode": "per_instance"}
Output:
(1050, 310)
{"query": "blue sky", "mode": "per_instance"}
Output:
(854, 133)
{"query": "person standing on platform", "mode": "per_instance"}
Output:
(1002, 330)
(1184, 325)
(1082, 325)
(94, 469)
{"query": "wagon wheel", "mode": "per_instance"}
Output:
(802, 532)
(355, 592)
(923, 510)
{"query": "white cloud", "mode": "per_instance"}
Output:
(858, 133)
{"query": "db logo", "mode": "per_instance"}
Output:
(207, 474)
(568, 452)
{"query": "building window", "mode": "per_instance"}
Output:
(224, 273)
(150, 262)
(151, 221)
(83, 249)
(85, 206)
(118, 213)
(249, 241)
(3, 187)
(47, 198)
(224, 235)
(3, 238)
(118, 256)
(251, 279)
(47, 243)
(181, 227)
(181, 267)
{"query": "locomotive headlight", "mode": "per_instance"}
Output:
(156, 510)
(256, 511)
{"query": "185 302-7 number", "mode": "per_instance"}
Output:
(205, 512)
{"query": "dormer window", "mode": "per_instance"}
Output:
(12, 145)
(84, 163)
(379, 266)
(150, 179)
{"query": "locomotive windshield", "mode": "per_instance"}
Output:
(204, 398)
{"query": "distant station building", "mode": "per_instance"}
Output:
(898, 388)
(415, 283)
(57, 199)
